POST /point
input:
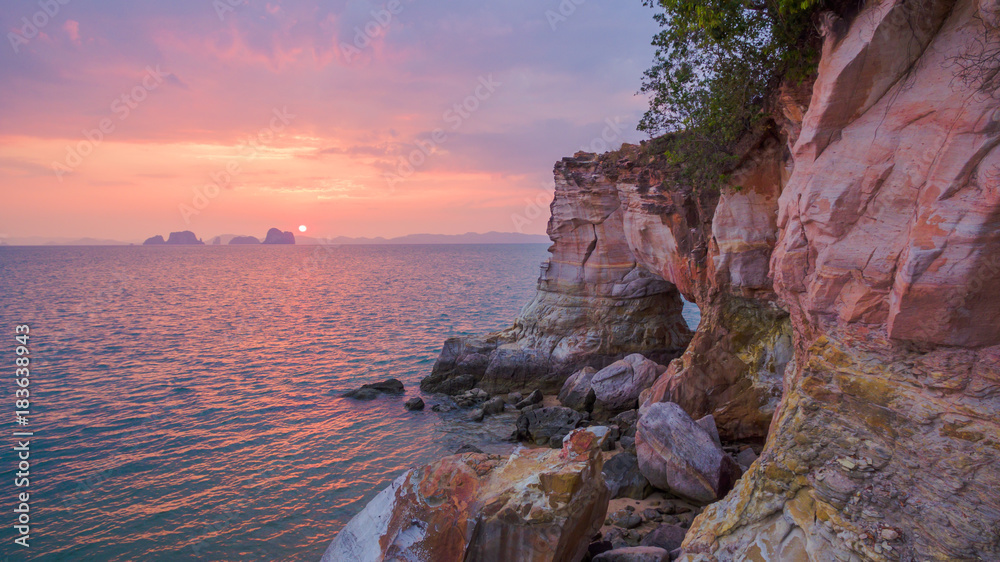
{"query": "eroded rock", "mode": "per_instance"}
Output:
(577, 393)
(624, 480)
(536, 505)
(667, 537)
(634, 554)
(677, 455)
(541, 425)
(887, 259)
(617, 387)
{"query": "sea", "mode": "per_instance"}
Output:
(184, 402)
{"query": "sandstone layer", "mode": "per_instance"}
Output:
(885, 445)
(595, 303)
(628, 240)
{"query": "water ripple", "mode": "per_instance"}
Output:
(186, 399)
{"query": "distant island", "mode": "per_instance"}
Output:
(183, 238)
(223, 239)
(244, 240)
(491, 237)
(275, 236)
(240, 239)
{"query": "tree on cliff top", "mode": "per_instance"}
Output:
(717, 65)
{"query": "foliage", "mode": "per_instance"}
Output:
(979, 65)
(718, 63)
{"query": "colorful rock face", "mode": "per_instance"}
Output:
(595, 303)
(849, 290)
(885, 446)
(734, 367)
(537, 505)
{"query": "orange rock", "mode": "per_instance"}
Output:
(537, 505)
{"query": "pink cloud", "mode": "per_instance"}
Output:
(73, 30)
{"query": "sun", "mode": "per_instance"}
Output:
(302, 228)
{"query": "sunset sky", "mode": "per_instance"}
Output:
(354, 118)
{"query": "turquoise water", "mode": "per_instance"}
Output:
(185, 401)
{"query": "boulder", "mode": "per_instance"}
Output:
(452, 386)
(388, 386)
(539, 425)
(536, 505)
(624, 480)
(618, 538)
(667, 537)
(494, 406)
(362, 394)
(576, 392)
(415, 403)
(626, 519)
(535, 397)
(677, 455)
(746, 457)
(461, 364)
(468, 449)
(471, 398)
(634, 554)
(372, 391)
(626, 421)
(600, 432)
(617, 386)
(708, 424)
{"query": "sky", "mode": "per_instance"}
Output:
(123, 119)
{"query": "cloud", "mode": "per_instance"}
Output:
(354, 119)
(73, 31)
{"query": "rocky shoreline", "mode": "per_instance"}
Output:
(848, 278)
(640, 492)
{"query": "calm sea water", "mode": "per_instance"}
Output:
(185, 401)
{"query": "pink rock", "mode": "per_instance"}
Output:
(677, 455)
(617, 386)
